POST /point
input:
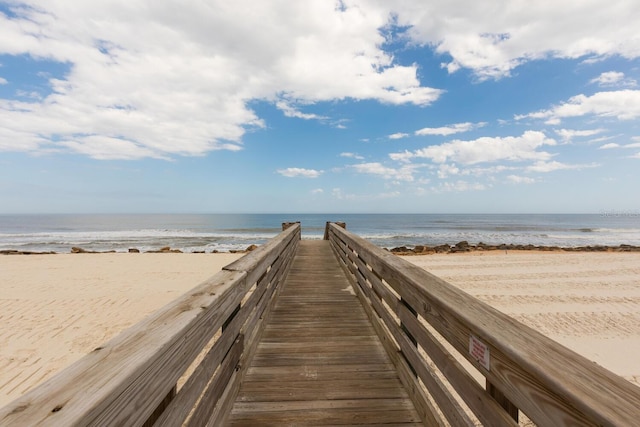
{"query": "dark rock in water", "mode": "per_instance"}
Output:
(197, 252)
(215, 251)
(76, 250)
(165, 249)
(401, 249)
(251, 248)
(420, 249)
(134, 251)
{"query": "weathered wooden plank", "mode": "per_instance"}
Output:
(253, 330)
(486, 409)
(124, 380)
(313, 390)
(330, 412)
(427, 412)
(255, 263)
(182, 405)
(217, 386)
(319, 346)
(548, 382)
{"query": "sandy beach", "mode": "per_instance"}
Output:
(56, 308)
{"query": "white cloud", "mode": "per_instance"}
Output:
(493, 39)
(444, 171)
(544, 167)
(616, 145)
(398, 135)
(459, 186)
(177, 77)
(485, 149)
(317, 191)
(609, 146)
(613, 78)
(623, 105)
(450, 130)
(515, 179)
(289, 111)
(299, 172)
(3, 81)
(568, 134)
(404, 173)
(352, 156)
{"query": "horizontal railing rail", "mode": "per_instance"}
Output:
(430, 327)
(132, 379)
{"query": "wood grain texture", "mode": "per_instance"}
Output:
(319, 360)
(124, 381)
(550, 383)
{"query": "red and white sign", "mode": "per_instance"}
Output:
(479, 351)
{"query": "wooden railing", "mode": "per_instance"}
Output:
(430, 328)
(132, 379)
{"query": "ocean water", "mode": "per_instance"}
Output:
(224, 232)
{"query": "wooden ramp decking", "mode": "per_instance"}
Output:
(319, 361)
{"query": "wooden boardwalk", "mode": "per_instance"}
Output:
(319, 361)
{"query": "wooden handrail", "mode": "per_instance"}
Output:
(548, 382)
(131, 379)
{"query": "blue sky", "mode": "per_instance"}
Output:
(319, 106)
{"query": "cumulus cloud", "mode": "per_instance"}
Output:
(459, 186)
(616, 145)
(492, 40)
(3, 81)
(613, 78)
(177, 77)
(515, 179)
(568, 134)
(609, 146)
(352, 156)
(404, 173)
(299, 172)
(398, 135)
(451, 129)
(622, 105)
(544, 167)
(317, 191)
(485, 149)
(289, 111)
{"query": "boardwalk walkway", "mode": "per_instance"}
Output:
(320, 361)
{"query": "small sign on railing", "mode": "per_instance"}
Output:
(479, 351)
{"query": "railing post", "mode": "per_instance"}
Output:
(286, 225)
(338, 223)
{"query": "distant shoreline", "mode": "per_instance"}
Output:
(459, 247)
(464, 246)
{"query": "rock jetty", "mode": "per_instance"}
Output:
(465, 246)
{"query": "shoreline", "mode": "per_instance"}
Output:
(403, 250)
(464, 246)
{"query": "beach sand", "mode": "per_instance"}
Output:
(589, 302)
(56, 308)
